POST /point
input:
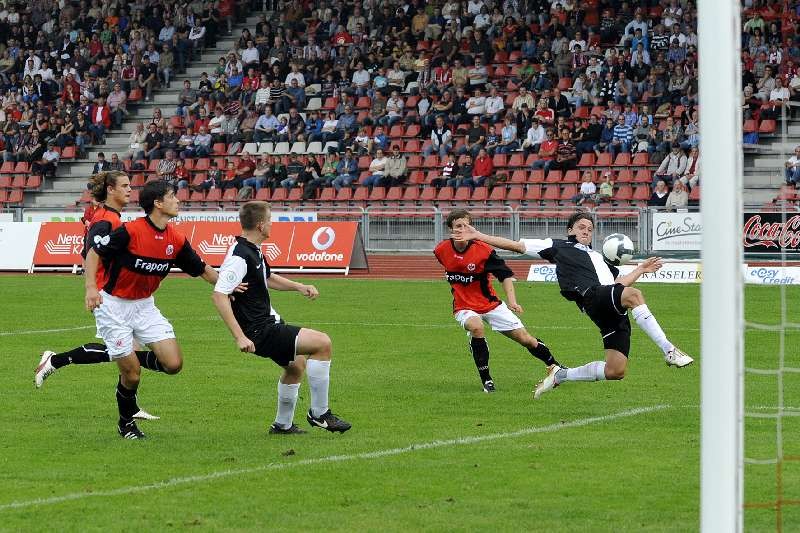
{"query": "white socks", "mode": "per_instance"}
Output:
(649, 324)
(287, 400)
(318, 373)
(594, 371)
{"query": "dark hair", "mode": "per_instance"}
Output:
(100, 182)
(253, 212)
(456, 214)
(152, 191)
(579, 215)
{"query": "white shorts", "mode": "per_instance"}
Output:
(120, 321)
(500, 318)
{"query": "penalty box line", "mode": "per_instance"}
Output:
(202, 478)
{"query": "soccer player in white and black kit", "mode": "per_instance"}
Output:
(599, 291)
(259, 329)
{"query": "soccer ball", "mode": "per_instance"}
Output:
(618, 249)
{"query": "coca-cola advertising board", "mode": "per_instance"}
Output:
(771, 233)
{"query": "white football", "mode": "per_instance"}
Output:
(618, 249)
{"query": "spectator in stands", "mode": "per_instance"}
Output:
(66, 132)
(672, 167)
(659, 196)
(508, 137)
(447, 174)
(116, 163)
(326, 176)
(166, 167)
(136, 142)
(623, 135)
(547, 151)
(476, 104)
(101, 165)
(202, 142)
(377, 171)
(495, 106)
(566, 155)
(792, 172)
(394, 110)
(691, 132)
(152, 143)
(534, 137)
(672, 133)
(559, 104)
(147, 78)
(266, 126)
(170, 138)
(117, 103)
(588, 190)
(186, 98)
(166, 65)
(678, 198)
(765, 84)
(395, 171)
(644, 137)
(101, 120)
(346, 170)
(46, 164)
(606, 188)
(441, 139)
(482, 168)
(378, 141)
(545, 114)
(463, 175)
(474, 139)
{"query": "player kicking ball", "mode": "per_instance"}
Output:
(468, 264)
(599, 291)
(259, 329)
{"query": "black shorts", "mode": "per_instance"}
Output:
(277, 342)
(603, 304)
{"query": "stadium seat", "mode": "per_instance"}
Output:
(4, 196)
(481, 194)
(641, 192)
(7, 168)
(197, 197)
(533, 193)
(214, 195)
(219, 149)
(497, 195)
(298, 147)
(553, 176)
(604, 160)
(568, 192)
(281, 148)
(230, 195)
(361, 194)
(328, 194)
(394, 194)
(572, 176)
(15, 197)
(343, 195)
(182, 195)
(587, 160)
(517, 160)
(623, 159)
(263, 194)
(500, 160)
(552, 192)
(642, 159)
(18, 182)
(624, 175)
(767, 126)
(515, 193)
(33, 182)
(462, 194)
(412, 131)
(68, 152)
(644, 175)
(624, 192)
(428, 194)
(750, 126)
(249, 148)
(536, 176)
(377, 194)
(411, 194)
(295, 195)
(5, 181)
(22, 167)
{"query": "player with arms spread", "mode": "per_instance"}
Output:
(599, 291)
(140, 254)
(468, 264)
(111, 192)
(259, 329)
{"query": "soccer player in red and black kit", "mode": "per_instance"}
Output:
(468, 264)
(140, 254)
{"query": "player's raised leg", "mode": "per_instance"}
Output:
(288, 389)
(535, 346)
(633, 299)
(316, 346)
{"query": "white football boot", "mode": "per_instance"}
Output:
(677, 358)
(548, 383)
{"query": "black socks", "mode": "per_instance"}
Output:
(542, 352)
(88, 354)
(480, 353)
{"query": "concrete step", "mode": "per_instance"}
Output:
(51, 199)
(74, 185)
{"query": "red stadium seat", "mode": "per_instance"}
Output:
(462, 194)
(15, 197)
(481, 194)
(498, 194)
(33, 182)
(587, 160)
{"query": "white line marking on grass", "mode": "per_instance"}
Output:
(332, 459)
(34, 331)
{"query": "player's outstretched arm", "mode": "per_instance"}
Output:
(210, 275)
(511, 295)
(651, 264)
(93, 298)
(469, 233)
(223, 304)
(279, 283)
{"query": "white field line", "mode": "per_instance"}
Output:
(378, 454)
(35, 331)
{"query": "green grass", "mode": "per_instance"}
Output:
(402, 376)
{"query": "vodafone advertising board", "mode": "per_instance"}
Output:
(291, 244)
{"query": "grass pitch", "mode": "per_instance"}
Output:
(428, 449)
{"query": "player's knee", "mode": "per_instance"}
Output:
(615, 374)
(632, 297)
(173, 366)
(324, 346)
(130, 376)
(476, 330)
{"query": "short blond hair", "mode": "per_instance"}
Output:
(253, 212)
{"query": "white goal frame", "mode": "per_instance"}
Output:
(722, 324)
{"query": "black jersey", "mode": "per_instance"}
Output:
(578, 267)
(245, 263)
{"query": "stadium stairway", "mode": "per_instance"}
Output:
(72, 174)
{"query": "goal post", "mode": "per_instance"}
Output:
(722, 325)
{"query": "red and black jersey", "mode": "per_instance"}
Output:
(142, 255)
(468, 273)
(104, 220)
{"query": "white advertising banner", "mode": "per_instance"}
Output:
(669, 273)
(6, 217)
(677, 231)
(772, 275)
(184, 216)
(18, 242)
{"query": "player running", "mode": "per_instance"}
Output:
(139, 254)
(111, 192)
(467, 264)
(259, 329)
(599, 291)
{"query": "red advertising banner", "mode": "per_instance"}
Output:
(59, 244)
(291, 244)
